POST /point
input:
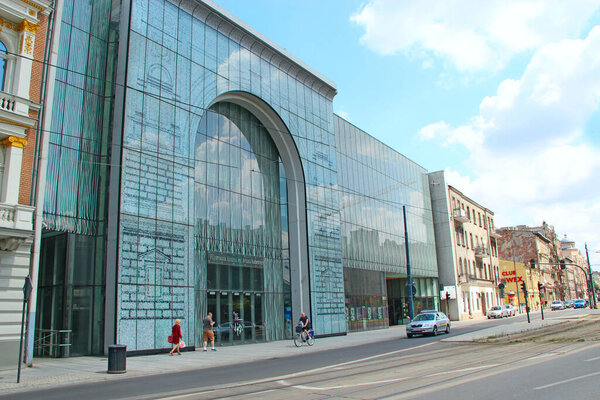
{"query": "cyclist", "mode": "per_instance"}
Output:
(304, 323)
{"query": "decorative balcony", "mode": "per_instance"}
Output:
(460, 216)
(16, 226)
(494, 234)
(481, 252)
(16, 109)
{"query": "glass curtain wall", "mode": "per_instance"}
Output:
(181, 56)
(72, 262)
(241, 220)
(375, 182)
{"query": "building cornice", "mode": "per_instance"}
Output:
(223, 21)
(467, 198)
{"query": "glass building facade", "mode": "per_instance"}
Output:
(375, 181)
(194, 167)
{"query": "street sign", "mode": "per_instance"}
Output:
(448, 289)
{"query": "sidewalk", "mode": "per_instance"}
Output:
(52, 372)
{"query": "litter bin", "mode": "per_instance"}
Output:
(117, 359)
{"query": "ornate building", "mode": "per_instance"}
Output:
(23, 29)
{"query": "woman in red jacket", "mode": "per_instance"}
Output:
(176, 336)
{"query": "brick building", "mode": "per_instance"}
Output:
(540, 244)
(23, 29)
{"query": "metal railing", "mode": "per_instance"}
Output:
(52, 342)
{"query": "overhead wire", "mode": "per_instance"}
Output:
(175, 157)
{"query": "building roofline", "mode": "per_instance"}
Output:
(274, 46)
(469, 199)
(383, 143)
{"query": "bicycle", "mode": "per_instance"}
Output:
(300, 337)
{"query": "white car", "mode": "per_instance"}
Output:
(557, 305)
(497, 312)
(428, 323)
(510, 310)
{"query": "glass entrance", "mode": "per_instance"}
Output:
(234, 297)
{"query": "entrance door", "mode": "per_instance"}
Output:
(236, 303)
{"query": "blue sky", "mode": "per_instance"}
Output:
(503, 95)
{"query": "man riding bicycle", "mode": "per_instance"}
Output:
(304, 324)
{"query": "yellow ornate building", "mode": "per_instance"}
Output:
(512, 274)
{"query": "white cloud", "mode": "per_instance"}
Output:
(530, 158)
(470, 35)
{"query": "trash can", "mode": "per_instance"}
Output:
(117, 358)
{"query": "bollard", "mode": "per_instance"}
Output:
(117, 359)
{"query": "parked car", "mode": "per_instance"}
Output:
(510, 310)
(224, 330)
(557, 305)
(429, 322)
(497, 312)
(579, 303)
(569, 304)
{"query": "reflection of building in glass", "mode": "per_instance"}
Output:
(467, 251)
(202, 169)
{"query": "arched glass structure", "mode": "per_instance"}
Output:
(242, 261)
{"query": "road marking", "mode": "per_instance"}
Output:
(182, 394)
(593, 359)
(543, 356)
(566, 381)
(283, 382)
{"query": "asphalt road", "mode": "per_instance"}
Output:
(368, 364)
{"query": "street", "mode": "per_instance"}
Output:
(400, 368)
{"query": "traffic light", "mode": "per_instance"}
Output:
(562, 264)
(532, 263)
(523, 287)
(540, 286)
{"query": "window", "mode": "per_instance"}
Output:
(3, 62)
(479, 216)
(471, 236)
(469, 213)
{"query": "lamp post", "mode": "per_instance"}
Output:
(591, 280)
(410, 284)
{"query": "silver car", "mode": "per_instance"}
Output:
(428, 323)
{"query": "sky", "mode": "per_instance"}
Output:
(503, 95)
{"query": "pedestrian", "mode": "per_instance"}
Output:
(176, 337)
(207, 332)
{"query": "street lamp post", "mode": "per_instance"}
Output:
(591, 280)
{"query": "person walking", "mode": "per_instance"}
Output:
(207, 332)
(176, 337)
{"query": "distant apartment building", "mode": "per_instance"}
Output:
(541, 245)
(575, 281)
(467, 251)
(22, 46)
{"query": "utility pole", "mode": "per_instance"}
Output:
(524, 287)
(411, 311)
(591, 281)
(516, 283)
